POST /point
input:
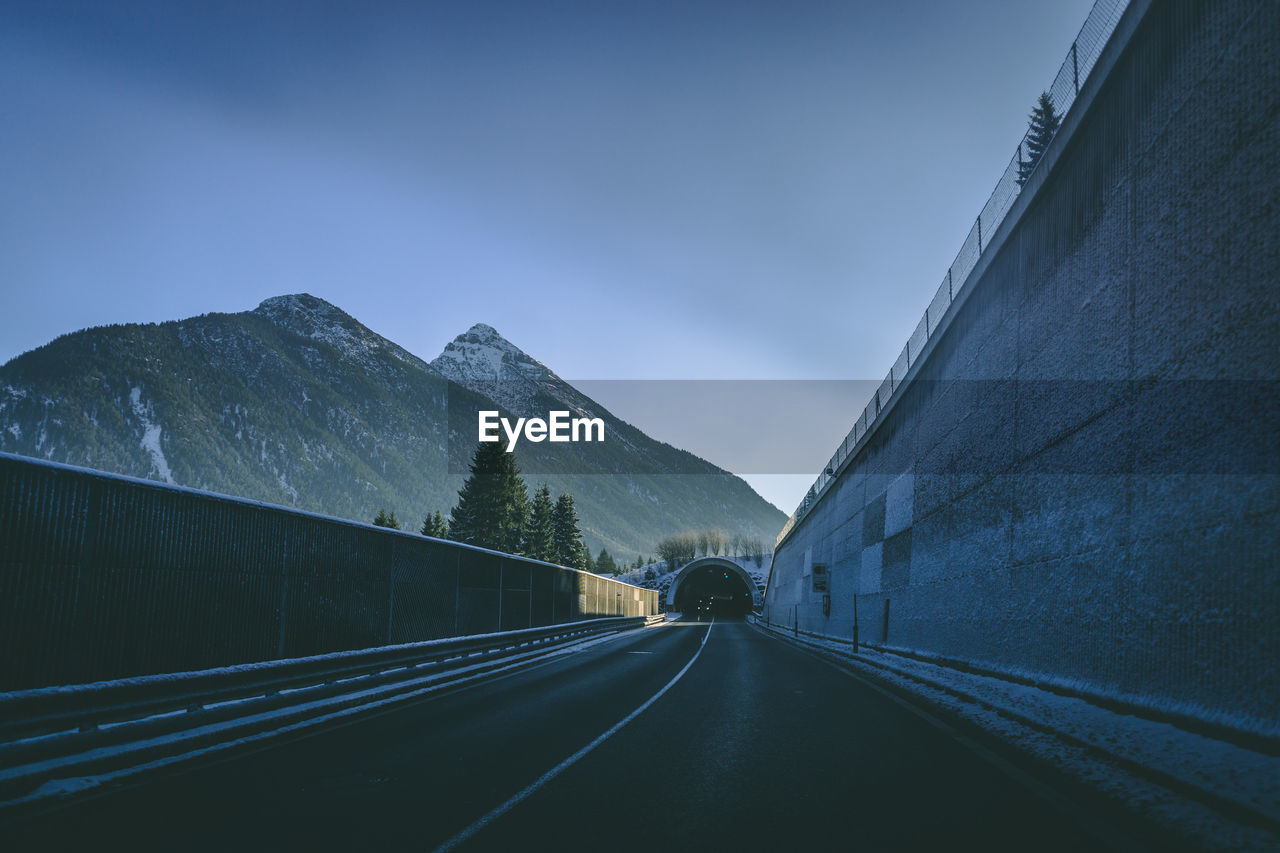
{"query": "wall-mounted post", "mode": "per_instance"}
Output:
(1075, 69)
(855, 622)
(979, 233)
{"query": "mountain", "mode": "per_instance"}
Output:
(297, 403)
(628, 486)
(487, 364)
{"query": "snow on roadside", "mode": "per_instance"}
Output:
(663, 576)
(1168, 772)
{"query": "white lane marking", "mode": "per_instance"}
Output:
(542, 780)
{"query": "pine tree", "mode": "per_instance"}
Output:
(566, 538)
(605, 564)
(538, 538)
(1044, 122)
(492, 502)
(434, 526)
(588, 562)
(383, 519)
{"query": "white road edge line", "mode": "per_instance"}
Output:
(542, 780)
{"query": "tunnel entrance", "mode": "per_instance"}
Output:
(713, 589)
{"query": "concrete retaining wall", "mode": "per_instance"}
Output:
(1081, 481)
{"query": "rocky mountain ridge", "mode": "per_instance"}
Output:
(297, 403)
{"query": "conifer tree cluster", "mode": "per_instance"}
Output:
(539, 542)
(1044, 121)
(492, 505)
(566, 538)
(605, 564)
(494, 511)
(435, 526)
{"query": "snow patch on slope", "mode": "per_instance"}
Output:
(150, 435)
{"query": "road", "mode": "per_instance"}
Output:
(754, 744)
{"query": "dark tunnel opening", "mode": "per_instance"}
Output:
(715, 590)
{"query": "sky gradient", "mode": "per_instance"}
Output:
(624, 190)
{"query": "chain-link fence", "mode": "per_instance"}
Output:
(104, 577)
(1080, 59)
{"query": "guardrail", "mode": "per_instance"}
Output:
(116, 728)
(1074, 71)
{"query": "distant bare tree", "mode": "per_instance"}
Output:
(678, 550)
(753, 547)
(715, 539)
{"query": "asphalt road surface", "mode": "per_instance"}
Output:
(729, 739)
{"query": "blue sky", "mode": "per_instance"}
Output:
(624, 190)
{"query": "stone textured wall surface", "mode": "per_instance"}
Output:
(1082, 481)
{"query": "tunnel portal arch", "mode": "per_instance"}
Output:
(692, 571)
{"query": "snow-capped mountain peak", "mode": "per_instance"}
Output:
(481, 356)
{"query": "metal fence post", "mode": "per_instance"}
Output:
(284, 597)
(391, 592)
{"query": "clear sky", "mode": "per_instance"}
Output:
(625, 190)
